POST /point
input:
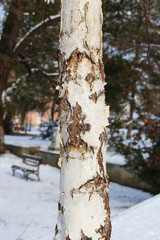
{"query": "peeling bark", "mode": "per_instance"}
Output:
(93, 97)
(67, 238)
(84, 237)
(61, 208)
(75, 128)
(90, 78)
(84, 206)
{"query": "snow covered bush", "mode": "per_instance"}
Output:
(142, 151)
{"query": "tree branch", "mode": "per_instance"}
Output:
(36, 29)
(12, 27)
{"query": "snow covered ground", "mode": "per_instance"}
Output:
(141, 222)
(28, 209)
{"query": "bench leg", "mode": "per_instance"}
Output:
(26, 175)
(13, 171)
(38, 177)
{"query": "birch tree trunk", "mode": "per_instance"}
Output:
(84, 206)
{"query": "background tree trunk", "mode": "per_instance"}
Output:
(8, 42)
(84, 206)
(2, 148)
(131, 111)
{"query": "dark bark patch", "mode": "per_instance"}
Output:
(77, 57)
(73, 191)
(101, 93)
(61, 208)
(84, 237)
(68, 238)
(59, 55)
(91, 149)
(100, 230)
(85, 45)
(69, 76)
(75, 128)
(103, 137)
(101, 70)
(104, 231)
(86, 127)
(100, 160)
(74, 57)
(93, 97)
(90, 78)
(103, 140)
(56, 230)
(65, 105)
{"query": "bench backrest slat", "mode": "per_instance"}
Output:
(32, 157)
(31, 160)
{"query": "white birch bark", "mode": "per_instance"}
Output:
(83, 207)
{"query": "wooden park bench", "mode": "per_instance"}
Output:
(30, 165)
